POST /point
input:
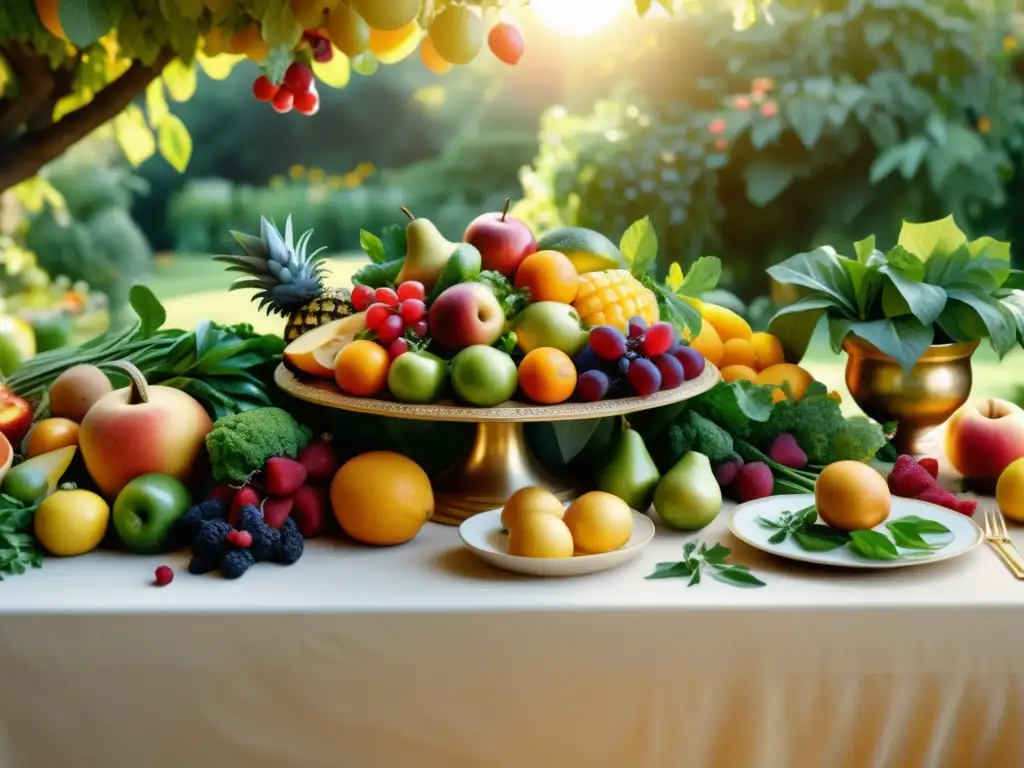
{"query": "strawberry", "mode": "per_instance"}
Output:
(931, 466)
(245, 497)
(222, 494)
(276, 511)
(908, 478)
(310, 510)
(282, 476)
(319, 460)
(938, 495)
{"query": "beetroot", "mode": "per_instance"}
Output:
(310, 510)
(319, 460)
(754, 481)
(276, 511)
(244, 497)
(282, 476)
(726, 471)
(785, 451)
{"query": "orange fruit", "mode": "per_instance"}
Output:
(48, 13)
(793, 375)
(250, 42)
(381, 498)
(728, 324)
(49, 435)
(393, 45)
(432, 59)
(767, 350)
(709, 344)
(549, 276)
(851, 496)
(738, 352)
(361, 368)
(547, 376)
(738, 373)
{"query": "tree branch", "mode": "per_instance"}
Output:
(24, 157)
(35, 85)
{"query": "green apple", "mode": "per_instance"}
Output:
(550, 324)
(146, 510)
(417, 377)
(484, 376)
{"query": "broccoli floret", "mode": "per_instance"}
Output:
(265, 540)
(709, 438)
(858, 439)
(292, 543)
(241, 443)
(234, 564)
(669, 445)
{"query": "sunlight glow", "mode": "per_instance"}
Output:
(578, 17)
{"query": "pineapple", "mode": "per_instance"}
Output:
(288, 280)
(611, 297)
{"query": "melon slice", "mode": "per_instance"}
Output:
(314, 351)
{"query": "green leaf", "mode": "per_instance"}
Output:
(865, 281)
(768, 523)
(670, 571)
(572, 436)
(807, 117)
(922, 524)
(767, 178)
(86, 21)
(134, 136)
(820, 538)
(156, 104)
(904, 339)
(996, 256)
(372, 246)
(903, 295)
(930, 238)
(378, 275)
(778, 537)
(639, 246)
(907, 536)
(175, 142)
(999, 324)
(180, 80)
(149, 309)
(683, 316)
(872, 545)
(864, 249)
(794, 326)
(279, 26)
(717, 554)
(279, 58)
(821, 271)
(703, 276)
(906, 262)
(394, 238)
(736, 576)
(877, 31)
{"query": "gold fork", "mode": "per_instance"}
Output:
(998, 536)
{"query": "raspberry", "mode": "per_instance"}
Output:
(242, 539)
(164, 576)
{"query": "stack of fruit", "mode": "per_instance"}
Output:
(497, 313)
(539, 525)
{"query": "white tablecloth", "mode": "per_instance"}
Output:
(423, 656)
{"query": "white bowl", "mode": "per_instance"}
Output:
(483, 534)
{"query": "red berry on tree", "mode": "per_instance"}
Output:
(506, 42)
(298, 78)
(263, 89)
(283, 100)
(307, 103)
(323, 51)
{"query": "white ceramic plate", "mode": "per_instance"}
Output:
(745, 523)
(483, 534)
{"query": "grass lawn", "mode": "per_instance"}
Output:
(195, 287)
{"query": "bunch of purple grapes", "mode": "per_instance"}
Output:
(642, 362)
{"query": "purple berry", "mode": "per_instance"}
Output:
(644, 377)
(587, 360)
(637, 326)
(692, 360)
(592, 386)
(659, 339)
(608, 342)
(671, 371)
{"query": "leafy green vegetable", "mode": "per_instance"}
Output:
(19, 549)
(379, 275)
(697, 558)
(933, 286)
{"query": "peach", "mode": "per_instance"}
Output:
(141, 430)
(465, 315)
(983, 438)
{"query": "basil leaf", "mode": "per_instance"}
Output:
(903, 294)
(149, 309)
(905, 535)
(717, 554)
(670, 571)
(999, 324)
(807, 516)
(737, 577)
(778, 537)
(694, 579)
(689, 548)
(872, 545)
(820, 538)
(922, 524)
(768, 523)
(821, 271)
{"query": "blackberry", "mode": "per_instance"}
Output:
(265, 540)
(234, 564)
(292, 543)
(200, 565)
(211, 544)
(186, 528)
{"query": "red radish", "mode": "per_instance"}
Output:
(245, 497)
(310, 510)
(222, 493)
(276, 511)
(319, 460)
(283, 476)
(298, 78)
(263, 89)
(283, 100)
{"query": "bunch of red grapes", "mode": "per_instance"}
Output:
(642, 362)
(297, 91)
(394, 316)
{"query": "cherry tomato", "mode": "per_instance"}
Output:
(362, 295)
(386, 296)
(412, 289)
(390, 329)
(412, 311)
(376, 314)
(307, 103)
(420, 329)
(298, 78)
(398, 347)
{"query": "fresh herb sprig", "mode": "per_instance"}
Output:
(19, 549)
(698, 558)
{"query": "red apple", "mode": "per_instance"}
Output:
(464, 315)
(983, 438)
(140, 430)
(503, 242)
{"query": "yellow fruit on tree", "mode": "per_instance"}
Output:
(393, 45)
(216, 42)
(249, 42)
(709, 344)
(611, 297)
(458, 34)
(728, 324)
(432, 59)
(1010, 491)
(387, 14)
(310, 13)
(348, 31)
(381, 498)
(767, 350)
(793, 376)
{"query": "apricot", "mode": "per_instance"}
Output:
(767, 350)
(796, 378)
(738, 352)
(851, 496)
(727, 323)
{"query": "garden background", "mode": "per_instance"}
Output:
(835, 121)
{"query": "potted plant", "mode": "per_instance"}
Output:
(909, 319)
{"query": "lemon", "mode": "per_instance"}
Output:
(1010, 491)
(589, 251)
(539, 535)
(530, 499)
(599, 522)
(72, 522)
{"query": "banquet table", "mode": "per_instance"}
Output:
(421, 655)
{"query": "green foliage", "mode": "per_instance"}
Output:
(850, 115)
(933, 286)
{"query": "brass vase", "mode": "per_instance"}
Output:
(918, 401)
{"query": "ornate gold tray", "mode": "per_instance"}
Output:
(500, 461)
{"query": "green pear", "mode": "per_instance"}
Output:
(688, 497)
(630, 473)
(427, 252)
